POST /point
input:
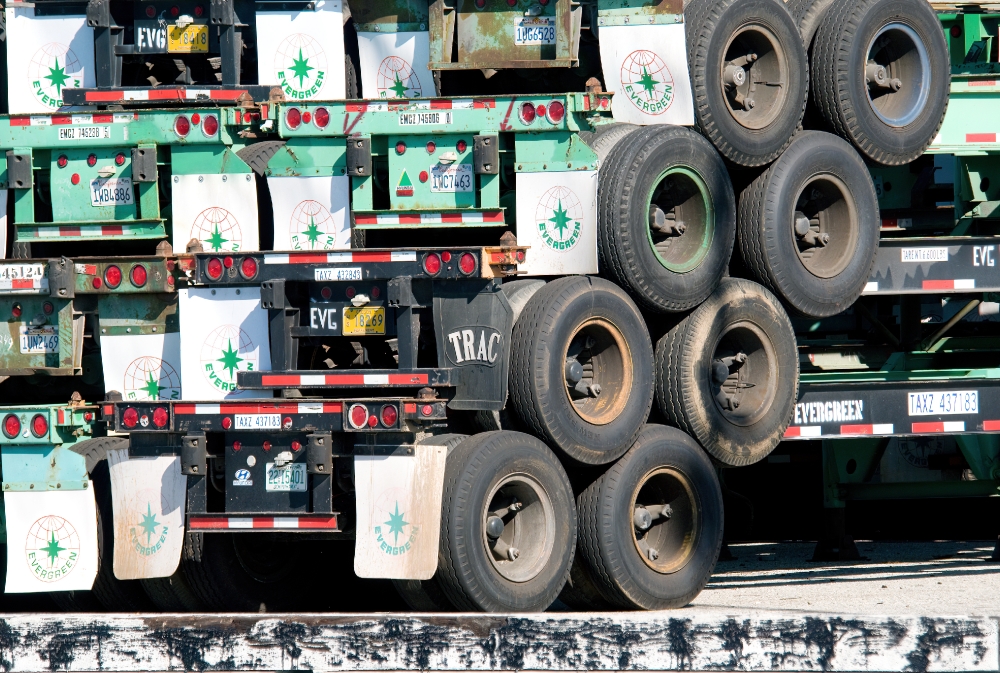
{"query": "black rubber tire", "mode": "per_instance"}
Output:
(468, 576)
(427, 595)
(808, 15)
(108, 592)
(767, 239)
(607, 542)
(581, 592)
(604, 139)
(595, 430)
(257, 155)
(839, 92)
(626, 255)
(685, 356)
(20, 250)
(710, 24)
(351, 78)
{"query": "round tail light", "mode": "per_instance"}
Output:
(91, 160)
(227, 422)
(248, 267)
(195, 118)
(214, 268)
(306, 117)
(540, 110)
(62, 161)
(150, 11)
(321, 117)
(160, 417)
(11, 426)
(39, 425)
(527, 113)
(182, 126)
(556, 112)
(461, 146)
(199, 10)
(113, 276)
(16, 310)
(358, 416)
(432, 264)
(48, 308)
(467, 263)
(293, 118)
(426, 410)
(210, 126)
(175, 10)
(138, 275)
(400, 147)
(389, 415)
(120, 159)
(130, 418)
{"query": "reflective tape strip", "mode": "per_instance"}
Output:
(341, 257)
(24, 284)
(980, 137)
(492, 216)
(85, 231)
(163, 94)
(871, 286)
(958, 284)
(344, 379)
(324, 522)
(991, 426)
(804, 431)
(249, 408)
(874, 429)
(939, 426)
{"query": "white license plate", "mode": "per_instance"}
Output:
(424, 118)
(453, 178)
(257, 422)
(944, 403)
(111, 192)
(21, 271)
(84, 132)
(349, 273)
(534, 30)
(44, 339)
(291, 477)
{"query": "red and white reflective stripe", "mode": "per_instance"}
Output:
(939, 426)
(86, 231)
(263, 522)
(897, 222)
(435, 104)
(981, 82)
(804, 431)
(980, 137)
(344, 379)
(957, 284)
(62, 120)
(874, 429)
(24, 284)
(870, 286)
(341, 257)
(991, 426)
(431, 218)
(245, 408)
(180, 93)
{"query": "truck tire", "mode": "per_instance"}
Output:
(604, 139)
(666, 218)
(809, 225)
(728, 374)
(581, 369)
(494, 559)
(881, 76)
(651, 526)
(581, 592)
(733, 47)
(108, 592)
(808, 14)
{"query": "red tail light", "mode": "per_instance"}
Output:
(150, 11)
(389, 415)
(556, 112)
(120, 159)
(130, 418)
(400, 147)
(199, 10)
(214, 268)
(227, 422)
(286, 422)
(321, 117)
(113, 276)
(527, 113)
(540, 110)
(210, 126)
(358, 416)
(266, 445)
(48, 308)
(62, 161)
(182, 126)
(293, 118)
(138, 275)
(306, 117)
(426, 410)
(16, 310)
(39, 425)
(11, 426)
(175, 10)
(461, 146)
(195, 118)
(432, 264)
(467, 263)
(160, 417)
(92, 160)
(248, 267)
(350, 292)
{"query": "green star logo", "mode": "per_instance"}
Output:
(216, 240)
(57, 77)
(152, 387)
(396, 523)
(646, 81)
(52, 548)
(230, 359)
(149, 523)
(560, 219)
(312, 232)
(399, 88)
(301, 67)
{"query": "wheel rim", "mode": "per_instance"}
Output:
(754, 76)
(743, 374)
(681, 219)
(825, 226)
(260, 557)
(518, 527)
(897, 75)
(664, 519)
(598, 371)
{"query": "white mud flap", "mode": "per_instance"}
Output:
(142, 366)
(223, 331)
(3, 222)
(148, 497)
(311, 213)
(51, 541)
(399, 513)
(557, 217)
(218, 210)
(303, 52)
(646, 68)
(45, 55)
(394, 65)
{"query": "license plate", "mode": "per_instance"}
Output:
(944, 403)
(187, 40)
(290, 477)
(21, 271)
(534, 30)
(111, 192)
(424, 118)
(44, 339)
(365, 320)
(454, 178)
(257, 422)
(349, 273)
(84, 132)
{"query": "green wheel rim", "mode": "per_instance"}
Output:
(680, 234)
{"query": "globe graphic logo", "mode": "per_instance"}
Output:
(217, 229)
(52, 548)
(150, 378)
(312, 226)
(559, 218)
(53, 68)
(647, 82)
(396, 79)
(300, 66)
(227, 350)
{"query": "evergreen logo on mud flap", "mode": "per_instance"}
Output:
(300, 66)
(396, 79)
(147, 536)
(474, 346)
(226, 351)
(52, 548)
(647, 82)
(559, 218)
(218, 230)
(53, 68)
(312, 227)
(395, 535)
(150, 378)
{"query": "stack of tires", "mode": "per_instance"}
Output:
(792, 102)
